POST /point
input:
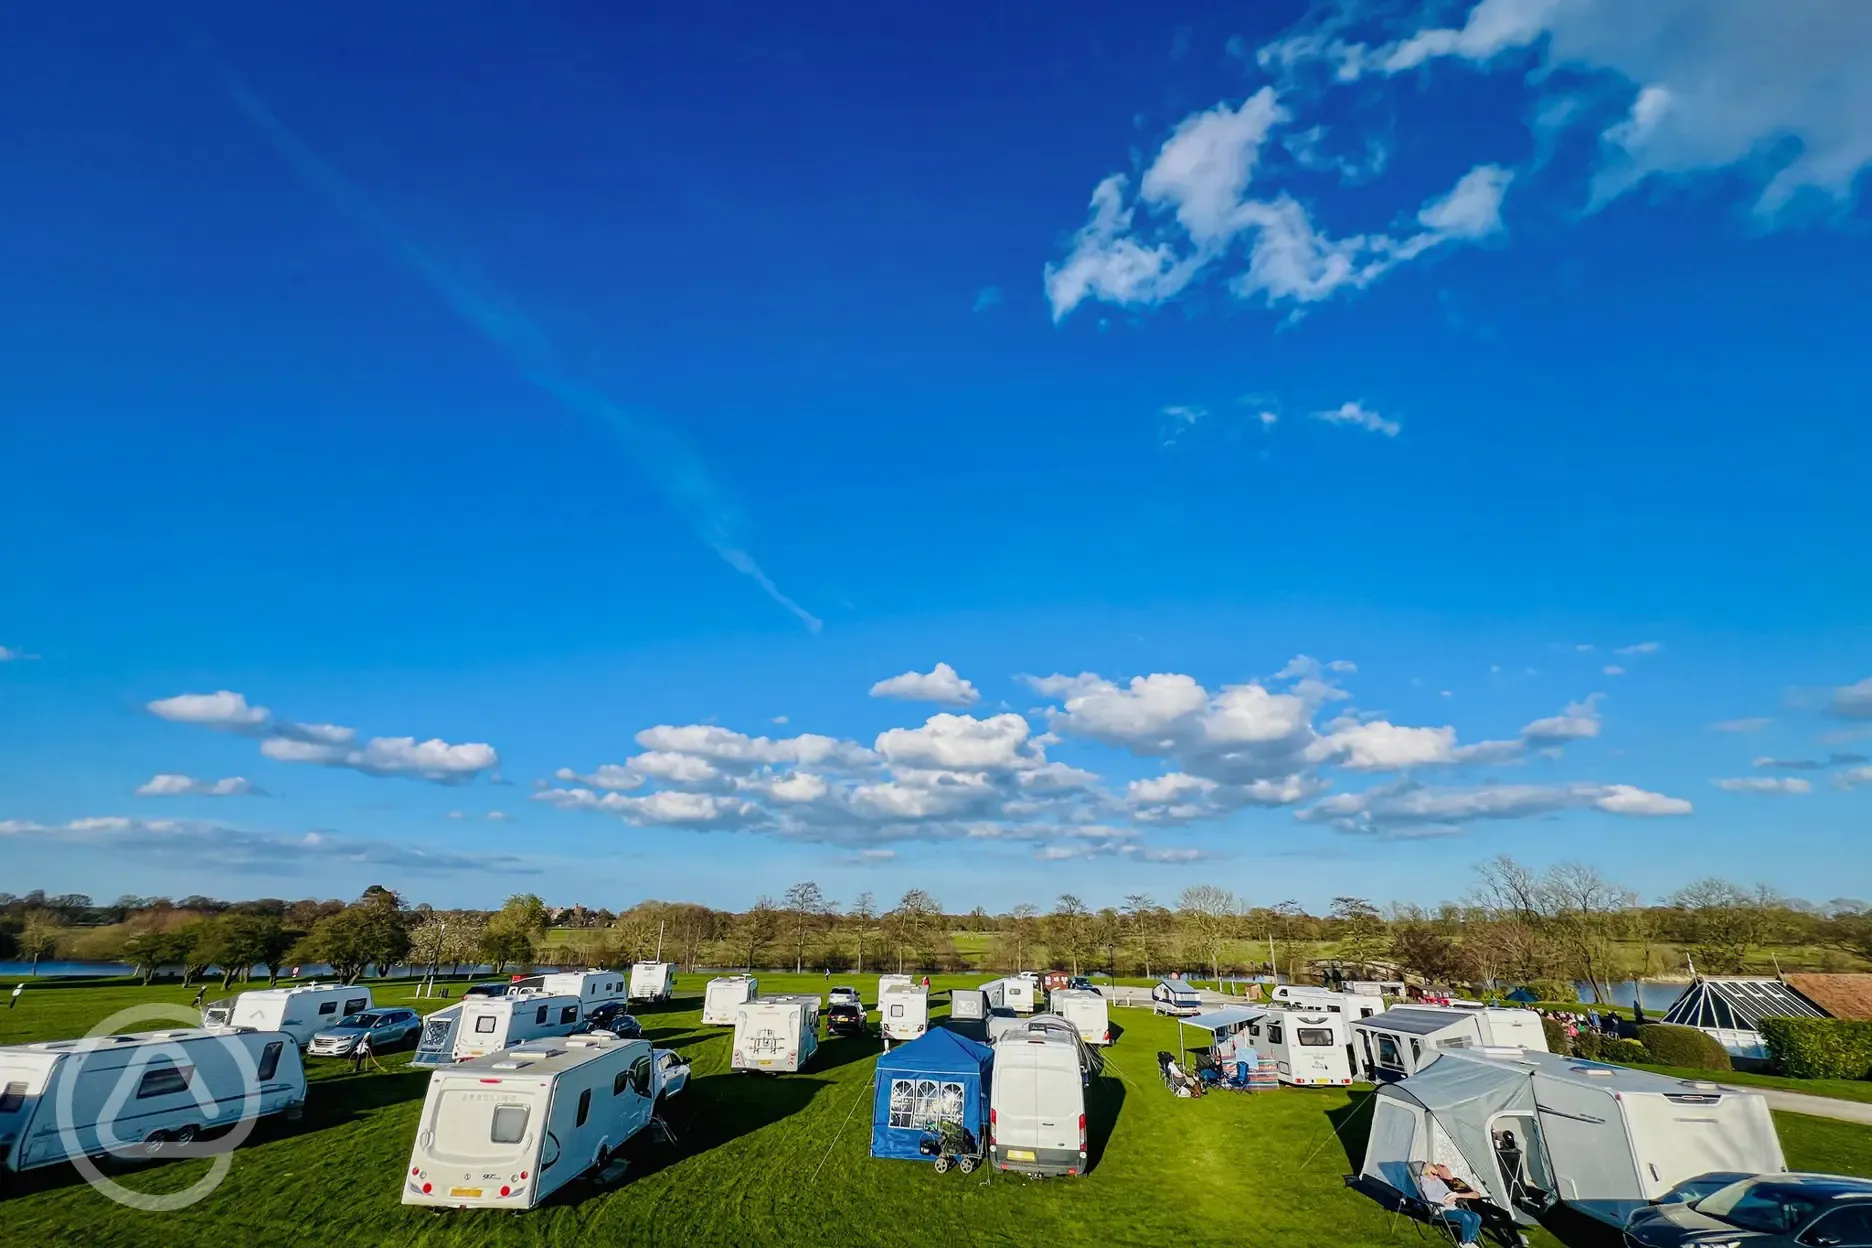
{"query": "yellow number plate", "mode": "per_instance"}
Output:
(464, 1191)
(1020, 1154)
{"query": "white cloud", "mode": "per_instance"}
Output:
(1106, 263)
(225, 710)
(940, 685)
(168, 784)
(690, 810)
(434, 759)
(1612, 669)
(317, 734)
(801, 786)
(1640, 648)
(1202, 170)
(780, 719)
(1853, 777)
(1783, 785)
(168, 841)
(1852, 701)
(1357, 414)
(733, 749)
(959, 743)
(610, 777)
(1579, 721)
(1400, 807)
(10, 655)
(1752, 724)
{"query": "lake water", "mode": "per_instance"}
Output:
(1656, 995)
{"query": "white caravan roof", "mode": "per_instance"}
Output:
(540, 1057)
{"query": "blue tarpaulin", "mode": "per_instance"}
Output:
(1526, 996)
(938, 1075)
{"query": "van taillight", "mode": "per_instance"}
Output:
(993, 1116)
(1082, 1135)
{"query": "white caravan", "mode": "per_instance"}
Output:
(1305, 1049)
(1403, 1040)
(592, 988)
(301, 1011)
(61, 1099)
(968, 1005)
(903, 1012)
(1086, 1010)
(1021, 993)
(1529, 1129)
(652, 981)
(436, 1045)
(490, 1024)
(723, 995)
(887, 982)
(994, 992)
(778, 1034)
(507, 1130)
(1354, 1005)
(1036, 1105)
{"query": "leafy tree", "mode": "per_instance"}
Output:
(1363, 929)
(236, 941)
(38, 936)
(513, 931)
(149, 949)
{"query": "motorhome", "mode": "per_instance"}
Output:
(652, 981)
(508, 1129)
(130, 1094)
(1532, 1129)
(1305, 1049)
(592, 988)
(300, 1011)
(903, 1013)
(1175, 996)
(887, 982)
(436, 1045)
(1352, 1005)
(490, 1024)
(1084, 1009)
(1037, 1108)
(1403, 1040)
(775, 1034)
(723, 994)
(968, 1005)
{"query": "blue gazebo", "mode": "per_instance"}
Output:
(939, 1075)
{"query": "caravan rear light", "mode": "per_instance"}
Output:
(417, 1170)
(523, 1174)
(490, 1081)
(505, 1190)
(426, 1189)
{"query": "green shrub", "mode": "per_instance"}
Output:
(1590, 1045)
(1553, 990)
(1819, 1048)
(1671, 1045)
(1556, 1036)
(1624, 1052)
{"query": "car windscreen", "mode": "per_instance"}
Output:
(360, 1020)
(1766, 1206)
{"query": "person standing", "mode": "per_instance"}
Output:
(14, 999)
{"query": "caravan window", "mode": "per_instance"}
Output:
(328, 1007)
(508, 1126)
(12, 1096)
(640, 1076)
(1388, 1054)
(269, 1060)
(621, 1081)
(919, 1102)
(1416, 1050)
(355, 1004)
(1313, 1037)
(584, 1111)
(484, 1025)
(165, 1079)
(1274, 1033)
(569, 1014)
(541, 1016)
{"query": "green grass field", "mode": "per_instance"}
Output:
(779, 1161)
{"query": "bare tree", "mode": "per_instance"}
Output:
(804, 903)
(1141, 913)
(1580, 903)
(757, 930)
(1506, 888)
(863, 913)
(1208, 912)
(1021, 933)
(1069, 928)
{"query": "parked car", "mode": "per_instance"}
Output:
(843, 1018)
(1766, 1211)
(498, 988)
(386, 1029)
(1081, 984)
(610, 1017)
(844, 995)
(672, 1071)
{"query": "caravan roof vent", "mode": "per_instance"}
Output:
(511, 1065)
(56, 1044)
(542, 1051)
(1701, 1085)
(1594, 1071)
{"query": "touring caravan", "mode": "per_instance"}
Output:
(129, 1095)
(1036, 1105)
(887, 982)
(592, 988)
(1406, 1038)
(652, 981)
(723, 994)
(490, 1024)
(903, 1013)
(1021, 993)
(1324, 1000)
(1175, 996)
(775, 1034)
(1305, 1049)
(436, 1045)
(300, 1011)
(1530, 1129)
(508, 1129)
(968, 1005)
(1084, 1009)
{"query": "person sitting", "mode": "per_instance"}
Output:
(1449, 1204)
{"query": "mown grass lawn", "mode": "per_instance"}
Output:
(779, 1161)
(1839, 1089)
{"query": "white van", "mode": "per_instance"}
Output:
(1325, 1001)
(490, 1024)
(777, 1034)
(507, 1130)
(652, 981)
(723, 994)
(593, 987)
(1307, 1050)
(129, 1095)
(903, 1012)
(301, 1011)
(1036, 1105)
(1084, 1009)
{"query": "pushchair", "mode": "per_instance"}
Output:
(950, 1143)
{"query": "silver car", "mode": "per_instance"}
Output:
(672, 1072)
(386, 1029)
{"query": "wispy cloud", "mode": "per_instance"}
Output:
(249, 852)
(9, 655)
(664, 456)
(170, 784)
(1753, 723)
(1360, 416)
(988, 297)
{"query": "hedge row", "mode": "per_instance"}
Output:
(1671, 1045)
(1598, 1047)
(1820, 1048)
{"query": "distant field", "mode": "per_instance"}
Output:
(781, 1161)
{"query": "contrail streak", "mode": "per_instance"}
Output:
(665, 458)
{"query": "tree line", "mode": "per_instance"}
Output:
(1568, 922)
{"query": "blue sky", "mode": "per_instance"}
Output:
(476, 450)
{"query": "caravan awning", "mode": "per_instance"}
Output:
(1228, 1016)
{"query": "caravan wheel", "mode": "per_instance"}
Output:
(153, 1142)
(185, 1134)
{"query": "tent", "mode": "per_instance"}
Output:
(1524, 996)
(939, 1075)
(1731, 1009)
